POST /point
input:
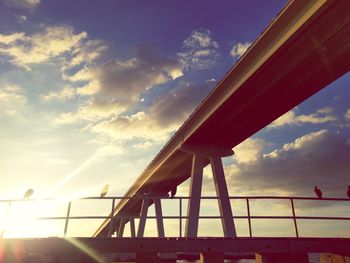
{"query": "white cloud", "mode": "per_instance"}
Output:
(85, 53)
(239, 49)
(127, 80)
(161, 119)
(200, 50)
(23, 50)
(138, 125)
(10, 39)
(66, 118)
(12, 100)
(22, 3)
(291, 118)
(65, 94)
(96, 109)
(91, 111)
(143, 145)
(319, 158)
(249, 150)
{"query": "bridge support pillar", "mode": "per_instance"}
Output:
(149, 257)
(223, 197)
(121, 227)
(159, 217)
(195, 195)
(143, 215)
(132, 227)
(282, 257)
(212, 257)
(200, 155)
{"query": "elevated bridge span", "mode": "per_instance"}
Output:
(306, 47)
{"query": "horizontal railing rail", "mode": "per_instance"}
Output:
(248, 199)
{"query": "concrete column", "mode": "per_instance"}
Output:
(149, 257)
(212, 257)
(159, 217)
(223, 197)
(282, 257)
(132, 227)
(121, 227)
(193, 206)
(143, 215)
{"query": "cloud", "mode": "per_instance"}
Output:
(200, 51)
(12, 100)
(21, 19)
(175, 106)
(161, 119)
(325, 110)
(24, 51)
(137, 125)
(291, 118)
(239, 49)
(249, 150)
(93, 110)
(22, 3)
(85, 53)
(127, 80)
(66, 118)
(319, 158)
(347, 115)
(65, 94)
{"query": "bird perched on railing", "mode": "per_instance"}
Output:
(104, 190)
(318, 192)
(28, 194)
(173, 192)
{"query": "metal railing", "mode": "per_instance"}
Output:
(180, 217)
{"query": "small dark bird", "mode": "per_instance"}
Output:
(318, 192)
(173, 192)
(28, 194)
(104, 190)
(348, 192)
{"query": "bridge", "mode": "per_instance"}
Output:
(306, 47)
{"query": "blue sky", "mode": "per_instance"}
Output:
(90, 91)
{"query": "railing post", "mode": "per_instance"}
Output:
(110, 231)
(249, 220)
(180, 218)
(67, 219)
(294, 219)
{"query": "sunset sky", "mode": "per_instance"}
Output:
(91, 90)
